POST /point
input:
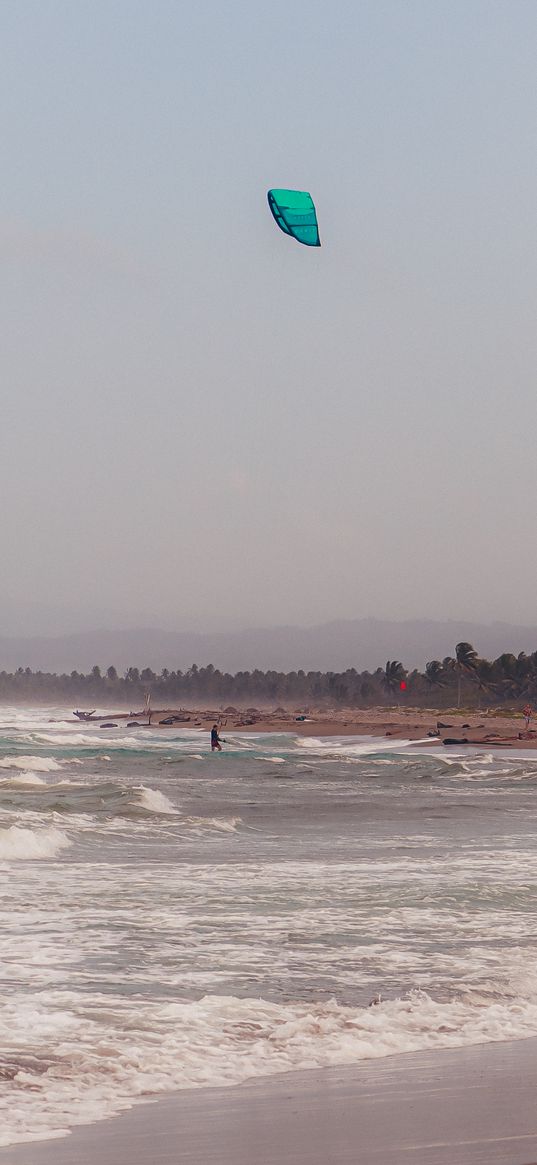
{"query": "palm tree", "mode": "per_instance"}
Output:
(466, 661)
(507, 665)
(393, 676)
(435, 673)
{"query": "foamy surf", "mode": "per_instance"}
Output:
(37, 764)
(134, 961)
(157, 1047)
(222, 825)
(354, 748)
(32, 780)
(18, 844)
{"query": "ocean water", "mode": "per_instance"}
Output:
(176, 919)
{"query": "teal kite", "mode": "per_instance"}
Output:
(295, 214)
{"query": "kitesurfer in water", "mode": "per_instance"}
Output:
(216, 745)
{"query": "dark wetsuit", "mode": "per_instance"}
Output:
(215, 740)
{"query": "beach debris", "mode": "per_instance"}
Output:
(108, 725)
(295, 214)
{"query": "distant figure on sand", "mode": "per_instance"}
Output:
(215, 739)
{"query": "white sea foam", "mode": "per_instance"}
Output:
(355, 747)
(223, 824)
(113, 1051)
(30, 779)
(154, 741)
(153, 801)
(28, 844)
(37, 764)
(73, 739)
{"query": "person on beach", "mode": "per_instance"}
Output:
(216, 745)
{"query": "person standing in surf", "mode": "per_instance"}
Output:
(216, 745)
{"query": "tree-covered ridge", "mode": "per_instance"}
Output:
(463, 678)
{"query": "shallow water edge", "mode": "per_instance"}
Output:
(469, 1106)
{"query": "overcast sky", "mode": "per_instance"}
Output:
(205, 423)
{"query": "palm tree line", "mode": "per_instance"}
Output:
(464, 679)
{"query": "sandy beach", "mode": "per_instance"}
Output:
(466, 1106)
(489, 728)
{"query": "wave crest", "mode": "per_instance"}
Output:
(29, 844)
(37, 764)
(153, 801)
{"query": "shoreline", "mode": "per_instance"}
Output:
(436, 727)
(472, 1105)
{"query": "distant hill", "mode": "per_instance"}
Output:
(361, 643)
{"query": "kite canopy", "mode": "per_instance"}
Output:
(295, 214)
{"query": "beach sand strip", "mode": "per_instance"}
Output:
(463, 1106)
(487, 729)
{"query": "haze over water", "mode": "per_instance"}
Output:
(176, 919)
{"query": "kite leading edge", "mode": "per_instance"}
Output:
(295, 214)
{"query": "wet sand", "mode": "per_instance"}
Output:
(466, 1106)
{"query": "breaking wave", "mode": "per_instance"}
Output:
(29, 844)
(37, 764)
(153, 801)
(157, 1047)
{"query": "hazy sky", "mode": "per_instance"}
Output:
(205, 423)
